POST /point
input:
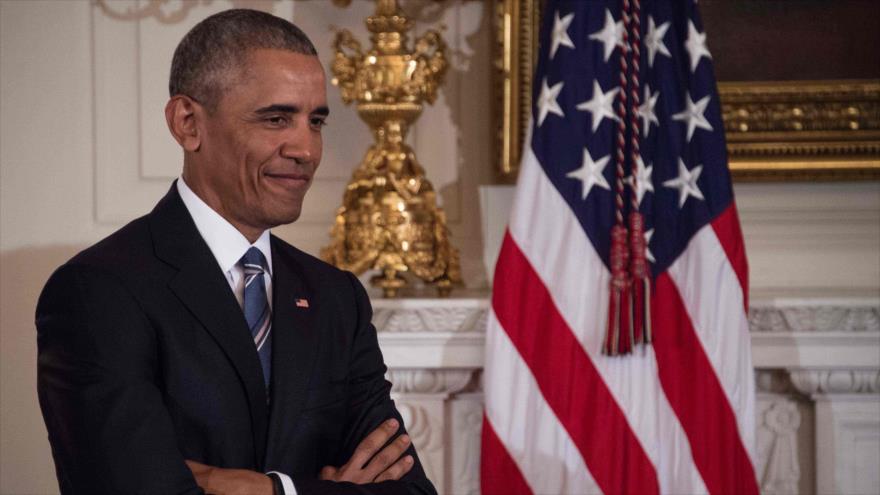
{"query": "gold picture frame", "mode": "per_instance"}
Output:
(793, 131)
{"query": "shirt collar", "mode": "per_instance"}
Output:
(225, 241)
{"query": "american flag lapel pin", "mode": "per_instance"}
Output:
(302, 303)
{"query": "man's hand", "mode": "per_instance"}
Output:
(386, 465)
(219, 481)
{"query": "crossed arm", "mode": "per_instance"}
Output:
(371, 463)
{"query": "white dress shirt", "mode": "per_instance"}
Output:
(228, 245)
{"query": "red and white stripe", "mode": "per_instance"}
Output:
(673, 417)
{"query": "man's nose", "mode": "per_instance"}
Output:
(300, 144)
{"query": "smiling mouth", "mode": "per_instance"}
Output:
(289, 179)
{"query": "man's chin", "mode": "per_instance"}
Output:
(283, 218)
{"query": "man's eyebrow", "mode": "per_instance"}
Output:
(277, 108)
(282, 108)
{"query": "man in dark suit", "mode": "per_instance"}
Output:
(191, 350)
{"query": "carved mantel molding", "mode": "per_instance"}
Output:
(858, 315)
(421, 381)
(812, 382)
(431, 334)
(800, 334)
(430, 315)
(840, 333)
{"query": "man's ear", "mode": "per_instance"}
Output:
(181, 115)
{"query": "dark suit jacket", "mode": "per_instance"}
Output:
(145, 359)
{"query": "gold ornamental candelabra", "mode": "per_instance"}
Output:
(389, 219)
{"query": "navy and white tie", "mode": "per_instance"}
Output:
(256, 307)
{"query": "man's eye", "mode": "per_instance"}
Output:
(277, 120)
(318, 122)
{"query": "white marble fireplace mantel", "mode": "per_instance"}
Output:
(817, 366)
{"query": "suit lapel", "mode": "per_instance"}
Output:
(294, 342)
(203, 289)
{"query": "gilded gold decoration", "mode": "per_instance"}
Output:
(793, 130)
(389, 219)
(517, 27)
(796, 130)
(800, 106)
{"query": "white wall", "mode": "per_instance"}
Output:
(83, 149)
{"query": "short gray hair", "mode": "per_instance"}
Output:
(222, 42)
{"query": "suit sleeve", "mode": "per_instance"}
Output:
(96, 378)
(370, 404)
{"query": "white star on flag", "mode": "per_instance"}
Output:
(693, 114)
(648, 254)
(646, 110)
(560, 33)
(654, 40)
(590, 173)
(547, 101)
(643, 179)
(600, 105)
(686, 183)
(696, 46)
(610, 35)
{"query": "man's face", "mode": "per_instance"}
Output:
(261, 146)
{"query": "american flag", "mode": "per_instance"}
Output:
(629, 85)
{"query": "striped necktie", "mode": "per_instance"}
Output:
(256, 307)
